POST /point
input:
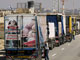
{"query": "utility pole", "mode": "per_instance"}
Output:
(63, 7)
(58, 6)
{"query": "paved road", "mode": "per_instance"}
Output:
(67, 51)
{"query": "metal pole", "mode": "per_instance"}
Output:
(58, 6)
(63, 5)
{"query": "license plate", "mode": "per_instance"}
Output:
(21, 56)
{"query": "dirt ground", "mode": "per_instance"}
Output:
(2, 52)
(1, 44)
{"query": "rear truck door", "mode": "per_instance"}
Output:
(21, 37)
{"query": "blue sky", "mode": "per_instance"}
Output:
(45, 3)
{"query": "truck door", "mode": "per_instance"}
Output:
(12, 32)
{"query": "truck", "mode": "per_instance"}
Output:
(68, 28)
(78, 25)
(48, 29)
(23, 37)
(61, 28)
(52, 29)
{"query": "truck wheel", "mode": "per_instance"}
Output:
(69, 40)
(58, 44)
(51, 47)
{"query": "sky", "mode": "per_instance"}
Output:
(45, 3)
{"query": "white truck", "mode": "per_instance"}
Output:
(23, 37)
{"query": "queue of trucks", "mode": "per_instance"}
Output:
(26, 34)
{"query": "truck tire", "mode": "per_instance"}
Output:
(58, 44)
(70, 39)
(51, 47)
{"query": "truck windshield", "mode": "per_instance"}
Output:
(20, 32)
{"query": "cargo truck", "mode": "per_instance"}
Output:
(52, 28)
(78, 24)
(48, 26)
(23, 37)
(42, 19)
(68, 28)
(61, 28)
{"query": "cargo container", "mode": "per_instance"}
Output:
(23, 37)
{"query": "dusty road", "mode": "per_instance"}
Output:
(67, 51)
